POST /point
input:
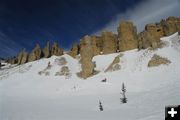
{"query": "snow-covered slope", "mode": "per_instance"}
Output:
(27, 95)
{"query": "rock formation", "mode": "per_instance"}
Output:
(99, 43)
(157, 60)
(87, 54)
(109, 42)
(170, 25)
(12, 60)
(74, 51)
(114, 65)
(46, 50)
(36, 54)
(22, 57)
(55, 50)
(150, 37)
(127, 35)
(96, 49)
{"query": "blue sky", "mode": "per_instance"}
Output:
(23, 23)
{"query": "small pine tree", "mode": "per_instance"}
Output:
(100, 106)
(123, 99)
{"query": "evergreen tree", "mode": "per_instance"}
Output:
(123, 99)
(100, 106)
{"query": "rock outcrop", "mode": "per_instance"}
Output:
(36, 54)
(106, 43)
(127, 35)
(109, 42)
(74, 50)
(87, 53)
(170, 25)
(150, 37)
(12, 60)
(64, 71)
(96, 49)
(46, 50)
(114, 65)
(157, 60)
(55, 50)
(22, 57)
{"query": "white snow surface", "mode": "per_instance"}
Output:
(26, 95)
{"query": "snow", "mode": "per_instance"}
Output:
(26, 95)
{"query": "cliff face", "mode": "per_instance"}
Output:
(108, 42)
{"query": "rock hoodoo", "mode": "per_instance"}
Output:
(106, 43)
(22, 57)
(150, 37)
(74, 50)
(87, 54)
(46, 50)
(127, 35)
(170, 25)
(55, 50)
(36, 54)
(109, 42)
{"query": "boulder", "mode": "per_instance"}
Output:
(109, 42)
(55, 50)
(36, 54)
(127, 35)
(46, 50)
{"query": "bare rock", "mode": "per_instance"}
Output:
(157, 60)
(87, 54)
(46, 50)
(36, 54)
(114, 65)
(12, 60)
(109, 42)
(127, 35)
(22, 57)
(96, 49)
(56, 50)
(74, 50)
(170, 25)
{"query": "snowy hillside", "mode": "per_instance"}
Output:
(25, 94)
